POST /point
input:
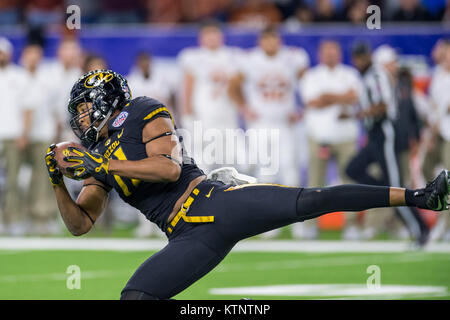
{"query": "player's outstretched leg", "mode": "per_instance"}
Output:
(315, 202)
(253, 209)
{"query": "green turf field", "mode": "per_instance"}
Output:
(42, 275)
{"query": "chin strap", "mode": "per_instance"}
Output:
(105, 119)
(99, 128)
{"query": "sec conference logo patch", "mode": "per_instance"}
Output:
(120, 119)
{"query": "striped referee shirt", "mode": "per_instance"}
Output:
(377, 88)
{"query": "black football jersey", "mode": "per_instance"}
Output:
(124, 142)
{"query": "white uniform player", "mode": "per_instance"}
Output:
(270, 76)
(212, 70)
(39, 130)
(64, 72)
(147, 80)
(207, 70)
(12, 91)
(265, 90)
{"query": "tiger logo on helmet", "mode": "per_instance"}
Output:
(97, 79)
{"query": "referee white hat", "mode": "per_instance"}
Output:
(6, 46)
(384, 54)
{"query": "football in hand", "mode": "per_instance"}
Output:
(62, 151)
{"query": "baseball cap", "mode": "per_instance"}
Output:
(6, 45)
(384, 54)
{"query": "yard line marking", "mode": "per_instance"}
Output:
(390, 297)
(335, 246)
(118, 244)
(99, 244)
(335, 290)
(91, 274)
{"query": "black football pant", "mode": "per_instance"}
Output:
(195, 248)
(381, 150)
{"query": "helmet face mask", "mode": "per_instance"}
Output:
(97, 112)
(85, 124)
(102, 92)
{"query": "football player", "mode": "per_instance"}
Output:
(134, 149)
(146, 79)
(207, 70)
(265, 91)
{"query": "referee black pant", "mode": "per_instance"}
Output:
(381, 149)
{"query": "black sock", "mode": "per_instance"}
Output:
(415, 198)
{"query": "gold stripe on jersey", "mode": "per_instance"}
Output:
(257, 185)
(159, 110)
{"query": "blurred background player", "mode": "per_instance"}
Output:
(93, 61)
(379, 112)
(440, 97)
(207, 70)
(330, 93)
(65, 70)
(265, 91)
(431, 142)
(10, 132)
(39, 127)
(407, 126)
(146, 80)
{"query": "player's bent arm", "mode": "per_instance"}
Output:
(80, 215)
(164, 155)
(237, 95)
(322, 101)
(188, 93)
(235, 90)
(348, 98)
(156, 168)
(378, 109)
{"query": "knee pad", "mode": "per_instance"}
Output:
(137, 295)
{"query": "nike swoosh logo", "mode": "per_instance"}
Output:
(98, 160)
(120, 134)
(209, 193)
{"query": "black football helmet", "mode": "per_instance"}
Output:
(107, 91)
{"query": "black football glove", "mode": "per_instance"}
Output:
(88, 164)
(55, 176)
